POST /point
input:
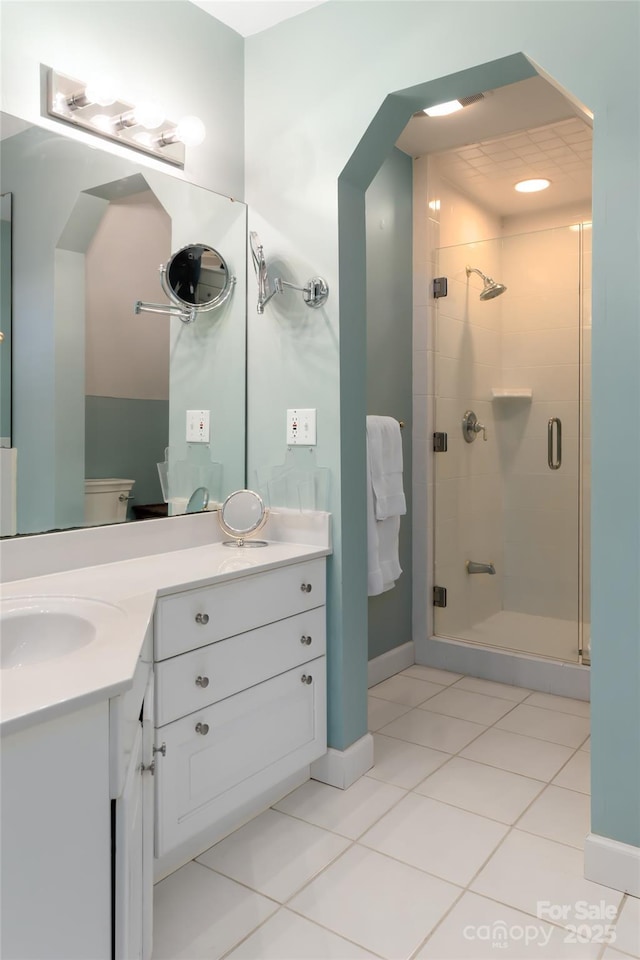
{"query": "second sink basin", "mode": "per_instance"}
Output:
(37, 629)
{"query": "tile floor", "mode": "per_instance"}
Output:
(463, 841)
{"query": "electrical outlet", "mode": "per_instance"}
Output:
(301, 428)
(197, 426)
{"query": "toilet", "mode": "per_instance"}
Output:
(106, 500)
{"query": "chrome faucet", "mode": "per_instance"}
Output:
(474, 567)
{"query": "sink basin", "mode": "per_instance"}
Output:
(37, 629)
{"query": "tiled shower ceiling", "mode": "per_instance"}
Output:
(487, 171)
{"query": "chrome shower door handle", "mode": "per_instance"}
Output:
(557, 463)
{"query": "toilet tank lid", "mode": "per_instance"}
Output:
(108, 483)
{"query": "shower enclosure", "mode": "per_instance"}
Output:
(511, 489)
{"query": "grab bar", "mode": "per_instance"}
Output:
(554, 464)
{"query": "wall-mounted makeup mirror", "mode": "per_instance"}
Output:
(99, 392)
(195, 279)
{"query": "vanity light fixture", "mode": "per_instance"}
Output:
(95, 107)
(532, 186)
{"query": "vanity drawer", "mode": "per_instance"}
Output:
(196, 618)
(219, 759)
(203, 676)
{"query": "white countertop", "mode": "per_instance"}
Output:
(105, 667)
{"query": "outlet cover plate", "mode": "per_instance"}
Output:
(301, 427)
(197, 426)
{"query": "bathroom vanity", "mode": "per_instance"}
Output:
(196, 706)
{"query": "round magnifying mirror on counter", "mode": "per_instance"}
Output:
(197, 276)
(241, 516)
(198, 501)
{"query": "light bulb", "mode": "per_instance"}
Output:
(144, 138)
(102, 122)
(101, 90)
(149, 115)
(191, 130)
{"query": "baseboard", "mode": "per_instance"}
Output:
(612, 863)
(341, 768)
(390, 663)
(505, 666)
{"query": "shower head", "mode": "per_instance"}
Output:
(491, 287)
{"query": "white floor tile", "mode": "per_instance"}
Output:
(466, 705)
(546, 725)
(386, 906)
(431, 673)
(433, 730)
(579, 708)
(380, 712)
(526, 871)
(435, 837)
(347, 812)
(492, 689)
(484, 790)
(559, 814)
(481, 929)
(576, 774)
(199, 914)
(628, 927)
(524, 755)
(274, 854)
(406, 690)
(401, 763)
(586, 746)
(286, 936)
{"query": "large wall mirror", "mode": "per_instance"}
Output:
(99, 392)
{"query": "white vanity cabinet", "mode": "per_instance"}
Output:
(77, 821)
(240, 699)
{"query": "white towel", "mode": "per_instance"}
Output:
(382, 541)
(385, 464)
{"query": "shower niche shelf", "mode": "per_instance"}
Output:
(511, 393)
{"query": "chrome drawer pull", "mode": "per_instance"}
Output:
(202, 618)
(202, 681)
(202, 728)
(306, 678)
(305, 587)
(305, 640)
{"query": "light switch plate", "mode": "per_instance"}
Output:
(301, 427)
(197, 426)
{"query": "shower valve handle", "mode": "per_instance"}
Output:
(471, 427)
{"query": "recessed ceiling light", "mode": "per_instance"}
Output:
(532, 186)
(443, 109)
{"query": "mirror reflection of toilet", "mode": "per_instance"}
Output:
(106, 500)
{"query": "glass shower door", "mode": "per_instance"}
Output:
(507, 488)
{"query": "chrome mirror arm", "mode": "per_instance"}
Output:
(187, 316)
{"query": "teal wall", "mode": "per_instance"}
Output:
(126, 438)
(389, 221)
(306, 199)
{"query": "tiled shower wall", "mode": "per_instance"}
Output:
(497, 500)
